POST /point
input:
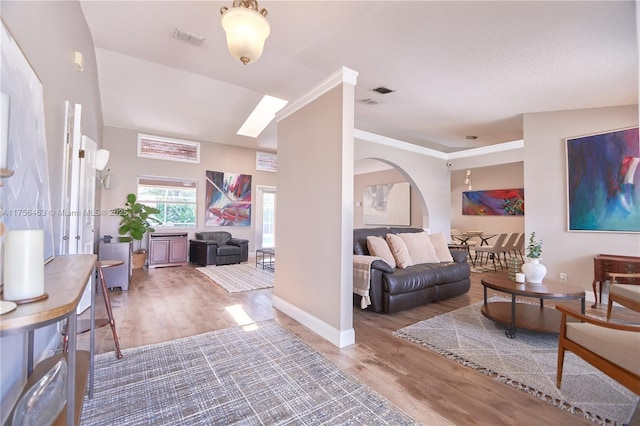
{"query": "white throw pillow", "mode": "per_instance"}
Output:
(420, 248)
(399, 251)
(378, 247)
(441, 247)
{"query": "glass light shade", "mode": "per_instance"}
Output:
(246, 31)
(102, 158)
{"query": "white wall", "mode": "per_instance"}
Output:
(360, 181)
(125, 168)
(48, 33)
(427, 174)
(546, 190)
(499, 176)
(314, 221)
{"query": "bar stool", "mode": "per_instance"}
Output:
(100, 265)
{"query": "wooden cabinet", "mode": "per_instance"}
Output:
(167, 249)
(603, 264)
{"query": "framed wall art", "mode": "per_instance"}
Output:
(25, 199)
(387, 204)
(603, 182)
(494, 202)
(228, 200)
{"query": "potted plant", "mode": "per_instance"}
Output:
(534, 271)
(135, 221)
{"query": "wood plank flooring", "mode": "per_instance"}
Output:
(167, 303)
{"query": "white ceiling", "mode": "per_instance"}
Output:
(457, 68)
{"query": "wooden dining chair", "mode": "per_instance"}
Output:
(627, 295)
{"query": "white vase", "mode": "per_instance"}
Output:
(534, 271)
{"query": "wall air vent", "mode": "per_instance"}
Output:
(369, 101)
(188, 37)
(382, 90)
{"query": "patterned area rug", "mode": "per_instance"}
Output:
(239, 277)
(260, 374)
(527, 362)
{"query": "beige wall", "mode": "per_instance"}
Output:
(503, 176)
(546, 194)
(387, 176)
(315, 214)
(48, 33)
(125, 167)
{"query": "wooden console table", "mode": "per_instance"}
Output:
(604, 264)
(65, 280)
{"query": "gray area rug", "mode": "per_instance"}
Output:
(239, 277)
(260, 374)
(528, 363)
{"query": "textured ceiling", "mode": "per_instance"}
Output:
(456, 68)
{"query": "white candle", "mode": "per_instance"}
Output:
(519, 277)
(23, 264)
(4, 129)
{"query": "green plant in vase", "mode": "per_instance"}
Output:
(136, 220)
(534, 248)
(533, 270)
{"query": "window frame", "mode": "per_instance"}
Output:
(165, 179)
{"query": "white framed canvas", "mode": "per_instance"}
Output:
(387, 204)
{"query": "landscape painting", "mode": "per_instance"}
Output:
(603, 183)
(387, 204)
(494, 202)
(228, 201)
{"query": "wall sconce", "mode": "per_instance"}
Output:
(78, 61)
(467, 180)
(105, 182)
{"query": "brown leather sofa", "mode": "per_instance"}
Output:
(397, 289)
(217, 248)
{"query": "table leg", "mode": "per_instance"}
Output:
(72, 328)
(107, 302)
(485, 294)
(29, 353)
(510, 332)
(92, 337)
(582, 302)
(595, 293)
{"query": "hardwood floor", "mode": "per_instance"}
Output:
(168, 303)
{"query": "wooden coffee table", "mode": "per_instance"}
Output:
(523, 315)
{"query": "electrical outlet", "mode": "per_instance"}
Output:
(563, 276)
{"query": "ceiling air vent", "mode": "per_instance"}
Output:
(369, 101)
(188, 37)
(382, 90)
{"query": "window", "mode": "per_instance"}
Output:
(176, 200)
(168, 149)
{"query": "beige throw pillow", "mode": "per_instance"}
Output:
(420, 248)
(399, 251)
(441, 247)
(378, 247)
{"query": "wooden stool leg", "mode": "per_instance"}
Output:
(107, 303)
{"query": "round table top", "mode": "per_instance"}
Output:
(108, 263)
(548, 289)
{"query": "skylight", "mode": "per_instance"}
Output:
(261, 116)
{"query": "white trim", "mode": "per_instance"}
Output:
(337, 337)
(342, 75)
(396, 143)
(489, 149)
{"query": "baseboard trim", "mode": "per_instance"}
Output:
(337, 337)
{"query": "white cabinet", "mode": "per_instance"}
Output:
(167, 249)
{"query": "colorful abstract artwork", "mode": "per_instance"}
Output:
(228, 200)
(603, 182)
(494, 202)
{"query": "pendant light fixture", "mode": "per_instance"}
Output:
(247, 29)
